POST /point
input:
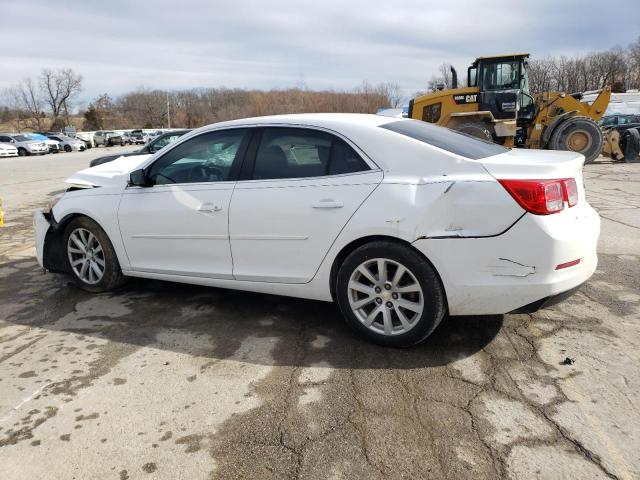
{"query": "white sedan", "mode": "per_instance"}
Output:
(398, 221)
(8, 150)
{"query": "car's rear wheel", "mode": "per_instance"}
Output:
(67, 148)
(390, 294)
(91, 258)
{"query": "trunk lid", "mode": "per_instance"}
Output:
(535, 164)
(521, 164)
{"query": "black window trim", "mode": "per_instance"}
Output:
(235, 167)
(249, 162)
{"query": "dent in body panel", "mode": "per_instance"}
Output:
(474, 208)
(505, 267)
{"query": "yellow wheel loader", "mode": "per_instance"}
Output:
(497, 106)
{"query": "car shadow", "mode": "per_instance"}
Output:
(215, 323)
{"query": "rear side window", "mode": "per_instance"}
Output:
(300, 153)
(446, 139)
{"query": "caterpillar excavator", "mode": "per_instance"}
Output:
(497, 106)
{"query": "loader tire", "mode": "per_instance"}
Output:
(578, 134)
(475, 128)
(631, 145)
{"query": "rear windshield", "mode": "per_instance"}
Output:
(446, 139)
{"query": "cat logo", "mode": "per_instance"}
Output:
(464, 99)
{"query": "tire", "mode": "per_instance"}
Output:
(426, 297)
(631, 145)
(475, 128)
(22, 152)
(578, 134)
(98, 257)
(109, 143)
(67, 148)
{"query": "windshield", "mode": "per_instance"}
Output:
(21, 138)
(501, 76)
(446, 139)
(37, 136)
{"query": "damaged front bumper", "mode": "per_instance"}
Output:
(41, 225)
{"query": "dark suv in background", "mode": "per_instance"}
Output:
(153, 146)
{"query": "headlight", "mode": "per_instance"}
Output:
(53, 201)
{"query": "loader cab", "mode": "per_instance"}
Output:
(504, 86)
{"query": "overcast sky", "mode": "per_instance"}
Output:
(119, 45)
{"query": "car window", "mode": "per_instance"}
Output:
(163, 142)
(299, 152)
(21, 138)
(5, 139)
(205, 158)
(446, 139)
(622, 120)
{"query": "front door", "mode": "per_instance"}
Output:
(179, 224)
(304, 185)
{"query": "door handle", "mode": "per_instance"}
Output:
(327, 203)
(209, 207)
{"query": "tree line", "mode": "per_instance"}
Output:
(46, 103)
(146, 108)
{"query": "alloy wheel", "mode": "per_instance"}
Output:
(385, 296)
(86, 256)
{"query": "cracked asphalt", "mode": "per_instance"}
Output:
(171, 381)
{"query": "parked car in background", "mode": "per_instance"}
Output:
(68, 144)
(24, 144)
(154, 134)
(54, 145)
(8, 150)
(126, 137)
(107, 138)
(86, 137)
(152, 147)
(619, 119)
(138, 137)
(396, 220)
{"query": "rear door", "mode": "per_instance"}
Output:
(300, 188)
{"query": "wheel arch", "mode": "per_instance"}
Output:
(354, 244)
(54, 255)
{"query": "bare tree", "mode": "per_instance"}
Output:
(26, 101)
(59, 88)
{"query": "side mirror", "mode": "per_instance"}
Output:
(137, 178)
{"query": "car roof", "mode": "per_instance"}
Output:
(313, 119)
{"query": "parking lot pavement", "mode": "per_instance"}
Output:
(171, 381)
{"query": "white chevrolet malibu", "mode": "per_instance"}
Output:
(398, 221)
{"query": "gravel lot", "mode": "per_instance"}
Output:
(171, 381)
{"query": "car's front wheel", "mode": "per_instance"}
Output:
(91, 259)
(390, 294)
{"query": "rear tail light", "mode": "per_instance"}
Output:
(571, 191)
(542, 197)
